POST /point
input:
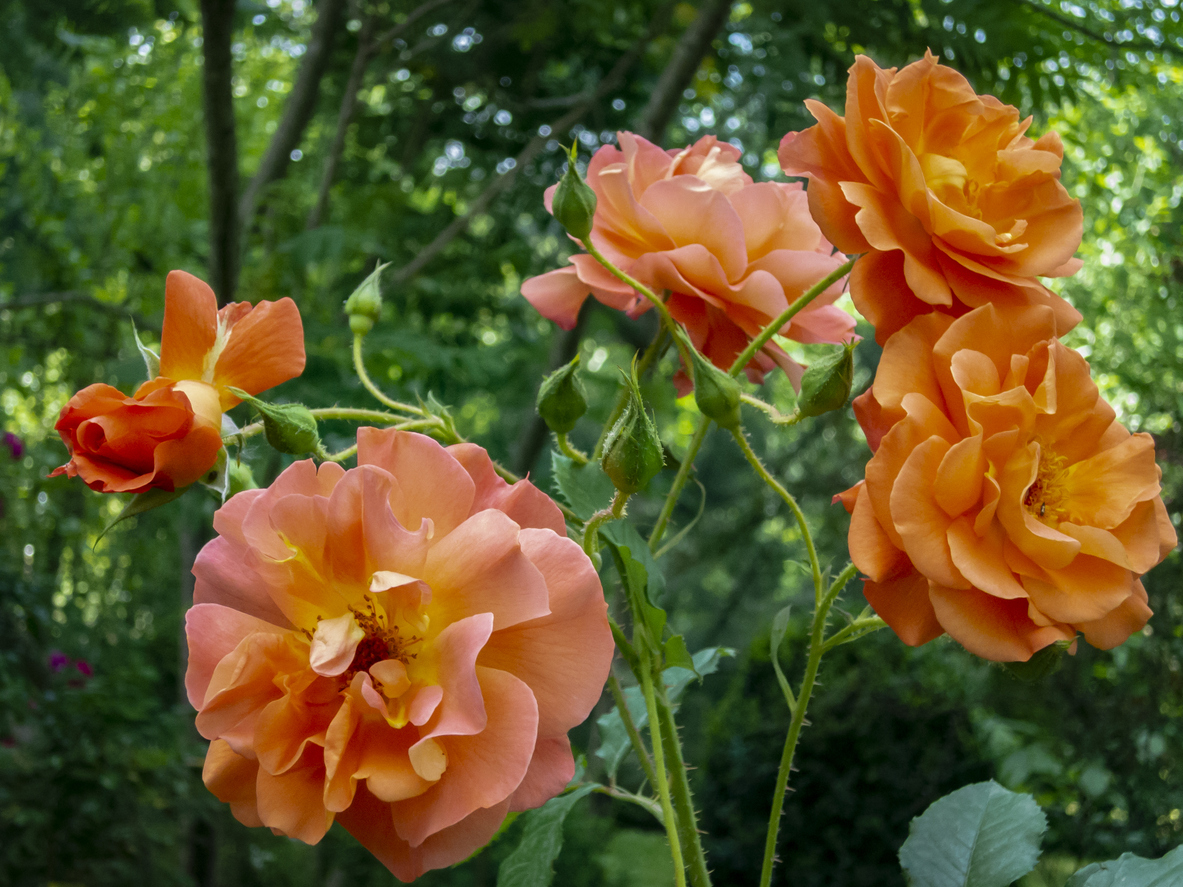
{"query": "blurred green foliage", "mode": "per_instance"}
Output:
(103, 190)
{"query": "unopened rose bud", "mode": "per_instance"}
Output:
(289, 427)
(562, 398)
(826, 384)
(574, 202)
(632, 451)
(364, 305)
(716, 393)
(241, 478)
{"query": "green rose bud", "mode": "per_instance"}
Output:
(715, 392)
(632, 451)
(289, 427)
(574, 203)
(364, 305)
(241, 478)
(826, 384)
(562, 398)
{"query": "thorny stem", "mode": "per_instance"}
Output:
(816, 649)
(777, 325)
(775, 415)
(663, 788)
(642, 801)
(349, 414)
(772, 482)
(682, 798)
(368, 383)
(592, 528)
(630, 728)
(853, 632)
(569, 451)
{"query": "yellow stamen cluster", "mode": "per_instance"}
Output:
(382, 641)
(1046, 497)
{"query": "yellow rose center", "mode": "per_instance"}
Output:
(1047, 497)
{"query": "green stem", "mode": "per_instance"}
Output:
(663, 788)
(630, 728)
(569, 451)
(592, 528)
(852, 632)
(700, 876)
(368, 383)
(348, 414)
(785, 316)
(341, 456)
(774, 415)
(671, 499)
(657, 303)
(772, 482)
(816, 649)
(645, 803)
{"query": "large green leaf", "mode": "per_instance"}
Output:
(1132, 871)
(532, 862)
(981, 835)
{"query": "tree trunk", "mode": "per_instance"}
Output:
(217, 23)
(298, 110)
(693, 45)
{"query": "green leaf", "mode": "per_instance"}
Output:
(1043, 663)
(585, 488)
(780, 624)
(142, 502)
(151, 358)
(636, 576)
(675, 653)
(532, 862)
(978, 836)
(1132, 871)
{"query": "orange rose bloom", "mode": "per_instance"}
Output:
(732, 253)
(953, 205)
(168, 435)
(401, 647)
(1005, 504)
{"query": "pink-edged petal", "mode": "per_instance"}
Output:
(563, 657)
(371, 822)
(482, 770)
(557, 295)
(523, 503)
(551, 768)
(452, 657)
(214, 632)
(480, 568)
(434, 485)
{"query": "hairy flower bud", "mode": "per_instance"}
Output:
(574, 203)
(289, 427)
(562, 398)
(716, 393)
(826, 384)
(632, 451)
(364, 305)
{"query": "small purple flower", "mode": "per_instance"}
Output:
(84, 667)
(15, 445)
(58, 660)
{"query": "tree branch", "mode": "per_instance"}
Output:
(413, 16)
(1108, 40)
(39, 299)
(534, 147)
(217, 24)
(298, 110)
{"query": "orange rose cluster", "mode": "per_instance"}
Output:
(1005, 505)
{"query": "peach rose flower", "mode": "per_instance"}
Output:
(953, 205)
(732, 253)
(401, 647)
(168, 435)
(1005, 504)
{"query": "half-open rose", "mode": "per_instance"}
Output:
(401, 647)
(1005, 504)
(168, 435)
